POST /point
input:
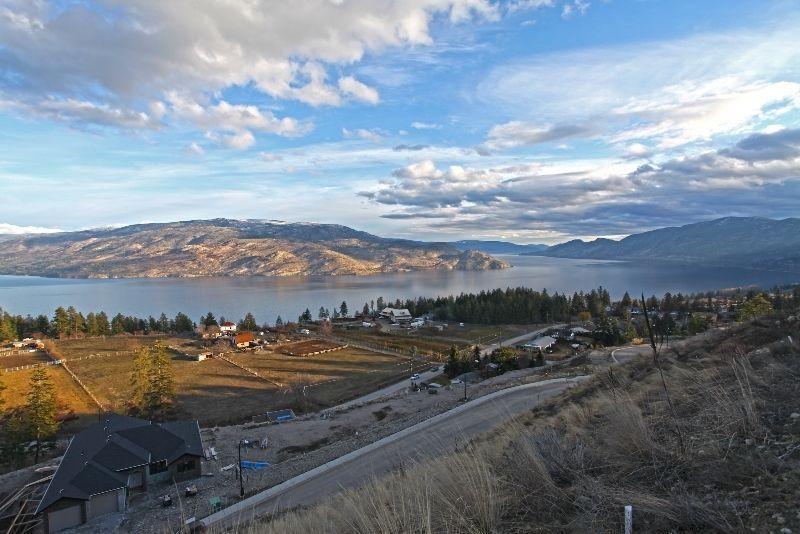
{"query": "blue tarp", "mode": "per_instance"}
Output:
(280, 415)
(247, 464)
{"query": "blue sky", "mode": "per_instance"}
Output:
(527, 120)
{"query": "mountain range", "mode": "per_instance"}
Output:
(498, 247)
(224, 247)
(753, 242)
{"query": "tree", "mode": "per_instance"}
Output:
(322, 313)
(209, 320)
(182, 323)
(278, 322)
(60, 325)
(154, 384)
(305, 317)
(379, 305)
(343, 309)
(8, 330)
(365, 309)
(39, 414)
(754, 307)
(118, 324)
(103, 326)
(248, 323)
(163, 323)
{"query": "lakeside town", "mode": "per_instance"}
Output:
(293, 394)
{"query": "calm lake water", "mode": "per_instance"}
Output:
(267, 297)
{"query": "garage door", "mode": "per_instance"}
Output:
(135, 479)
(103, 504)
(66, 518)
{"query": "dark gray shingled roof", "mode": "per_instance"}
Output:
(95, 456)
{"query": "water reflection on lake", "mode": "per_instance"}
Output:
(267, 297)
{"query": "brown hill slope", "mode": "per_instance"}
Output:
(223, 247)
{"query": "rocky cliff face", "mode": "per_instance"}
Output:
(223, 247)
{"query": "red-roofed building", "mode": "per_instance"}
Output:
(227, 327)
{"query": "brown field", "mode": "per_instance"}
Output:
(400, 341)
(69, 396)
(213, 391)
(309, 346)
(341, 375)
(26, 358)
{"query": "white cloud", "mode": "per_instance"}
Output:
(6, 228)
(578, 7)
(359, 91)
(55, 55)
(195, 149)
(362, 133)
(518, 133)
(660, 91)
(425, 126)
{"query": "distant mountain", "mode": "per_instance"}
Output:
(224, 247)
(498, 247)
(753, 242)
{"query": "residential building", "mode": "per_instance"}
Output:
(104, 463)
(397, 315)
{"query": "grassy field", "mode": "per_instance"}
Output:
(400, 340)
(341, 374)
(26, 358)
(213, 391)
(71, 399)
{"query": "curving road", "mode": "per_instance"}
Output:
(436, 436)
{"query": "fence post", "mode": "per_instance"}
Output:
(628, 519)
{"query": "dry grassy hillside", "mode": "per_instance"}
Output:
(728, 460)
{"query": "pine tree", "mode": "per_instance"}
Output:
(209, 320)
(248, 323)
(103, 326)
(118, 324)
(91, 324)
(154, 384)
(279, 321)
(365, 309)
(40, 411)
(61, 325)
(183, 323)
(343, 309)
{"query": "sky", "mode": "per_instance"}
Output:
(534, 121)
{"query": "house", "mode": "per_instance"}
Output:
(244, 340)
(199, 356)
(227, 327)
(208, 332)
(540, 344)
(104, 463)
(580, 331)
(397, 315)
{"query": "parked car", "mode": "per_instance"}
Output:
(433, 391)
(434, 385)
(456, 381)
(415, 377)
(305, 331)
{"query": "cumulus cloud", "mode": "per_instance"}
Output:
(104, 62)
(578, 7)
(606, 198)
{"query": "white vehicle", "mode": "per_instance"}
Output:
(434, 385)
(305, 331)
(417, 323)
(456, 381)
(415, 377)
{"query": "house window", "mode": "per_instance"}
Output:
(158, 467)
(185, 466)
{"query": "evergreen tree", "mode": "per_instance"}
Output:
(321, 315)
(248, 323)
(279, 322)
(305, 317)
(8, 330)
(343, 309)
(103, 326)
(60, 326)
(753, 307)
(163, 323)
(91, 324)
(40, 411)
(183, 323)
(209, 320)
(379, 305)
(118, 324)
(365, 309)
(154, 384)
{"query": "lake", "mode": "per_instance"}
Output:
(267, 297)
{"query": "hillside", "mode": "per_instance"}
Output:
(223, 247)
(742, 241)
(498, 247)
(722, 455)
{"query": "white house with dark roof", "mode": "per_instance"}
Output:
(103, 463)
(397, 315)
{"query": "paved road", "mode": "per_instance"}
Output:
(433, 437)
(518, 339)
